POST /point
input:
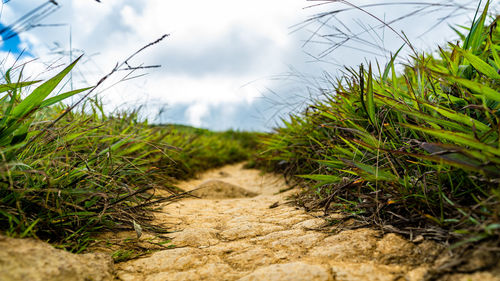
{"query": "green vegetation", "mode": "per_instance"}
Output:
(66, 175)
(203, 149)
(416, 152)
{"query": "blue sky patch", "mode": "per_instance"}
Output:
(11, 41)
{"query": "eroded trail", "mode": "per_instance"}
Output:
(258, 237)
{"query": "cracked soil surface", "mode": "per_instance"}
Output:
(241, 229)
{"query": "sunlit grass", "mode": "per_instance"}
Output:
(89, 172)
(416, 152)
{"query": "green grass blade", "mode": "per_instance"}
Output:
(479, 88)
(377, 173)
(40, 93)
(459, 117)
(12, 86)
(60, 97)
(480, 65)
(474, 38)
(460, 34)
(324, 179)
(390, 65)
(370, 103)
(456, 137)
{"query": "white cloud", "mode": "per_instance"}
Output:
(216, 47)
(196, 112)
(7, 13)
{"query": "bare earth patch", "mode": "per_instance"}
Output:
(217, 189)
(241, 229)
(29, 259)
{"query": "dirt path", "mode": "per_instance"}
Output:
(224, 238)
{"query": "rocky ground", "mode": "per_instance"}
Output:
(32, 260)
(242, 228)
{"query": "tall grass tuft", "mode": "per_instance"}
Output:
(416, 152)
(88, 172)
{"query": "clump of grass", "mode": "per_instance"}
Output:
(87, 172)
(413, 153)
(202, 149)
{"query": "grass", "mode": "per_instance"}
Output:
(69, 174)
(203, 149)
(416, 152)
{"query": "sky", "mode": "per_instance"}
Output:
(226, 64)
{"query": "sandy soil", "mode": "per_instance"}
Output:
(241, 229)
